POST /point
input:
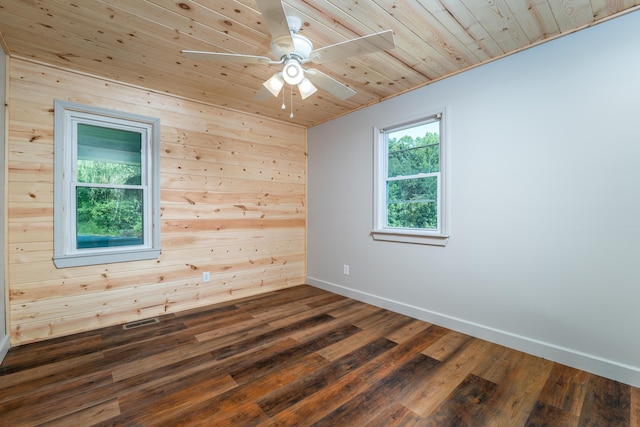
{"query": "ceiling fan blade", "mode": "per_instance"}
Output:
(227, 57)
(354, 47)
(262, 94)
(276, 19)
(329, 84)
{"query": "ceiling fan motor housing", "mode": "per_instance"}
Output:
(301, 48)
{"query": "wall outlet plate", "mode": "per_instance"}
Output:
(206, 277)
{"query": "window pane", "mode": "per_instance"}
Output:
(414, 161)
(108, 217)
(109, 156)
(414, 150)
(413, 203)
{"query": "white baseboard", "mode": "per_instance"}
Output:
(606, 368)
(4, 347)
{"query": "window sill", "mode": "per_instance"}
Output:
(79, 260)
(411, 236)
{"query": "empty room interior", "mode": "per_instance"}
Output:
(320, 212)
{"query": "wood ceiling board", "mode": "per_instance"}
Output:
(453, 28)
(535, 19)
(410, 51)
(474, 27)
(212, 32)
(603, 8)
(571, 13)
(139, 43)
(377, 66)
(499, 23)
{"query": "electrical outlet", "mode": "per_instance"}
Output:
(206, 277)
(346, 269)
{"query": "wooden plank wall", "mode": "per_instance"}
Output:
(233, 202)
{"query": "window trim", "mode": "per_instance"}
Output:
(65, 114)
(380, 231)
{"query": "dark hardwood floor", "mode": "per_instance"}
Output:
(300, 356)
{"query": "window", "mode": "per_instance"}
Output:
(107, 203)
(410, 182)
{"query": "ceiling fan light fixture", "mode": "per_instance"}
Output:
(306, 88)
(274, 84)
(292, 72)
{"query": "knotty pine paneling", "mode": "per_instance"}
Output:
(233, 202)
(140, 42)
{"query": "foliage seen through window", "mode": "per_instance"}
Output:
(413, 166)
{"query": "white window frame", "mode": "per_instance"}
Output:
(438, 237)
(67, 116)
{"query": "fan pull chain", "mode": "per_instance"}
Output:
(283, 106)
(291, 92)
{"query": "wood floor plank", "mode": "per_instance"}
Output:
(279, 299)
(352, 308)
(242, 414)
(89, 416)
(395, 415)
(290, 310)
(202, 364)
(129, 369)
(221, 406)
(565, 389)
(220, 349)
(166, 402)
(446, 346)
(517, 392)
(24, 382)
(549, 415)
(327, 299)
(499, 363)
(381, 317)
(276, 359)
(408, 330)
(257, 340)
(207, 315)
(344, 347)
(306, 314)
(390, 389)
(607, 403)
(426, 397)
(323, 401)
(635, 407)
(233, 325)
(115, 336)
(298, 356)
(286, 396)
(382, 327)
(141, 349)
(49, 352)
(462, 406)
(43, 406)
(561, 400)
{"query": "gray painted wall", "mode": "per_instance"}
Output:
(544, 165)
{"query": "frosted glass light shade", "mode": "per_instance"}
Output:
(306, 88)
(274, 84)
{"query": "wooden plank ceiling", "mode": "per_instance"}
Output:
(139, 42)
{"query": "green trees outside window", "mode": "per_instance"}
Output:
(109, 194)
(413, 174)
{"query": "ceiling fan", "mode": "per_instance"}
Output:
(291, 49)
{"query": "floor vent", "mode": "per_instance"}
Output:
(139, 323)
